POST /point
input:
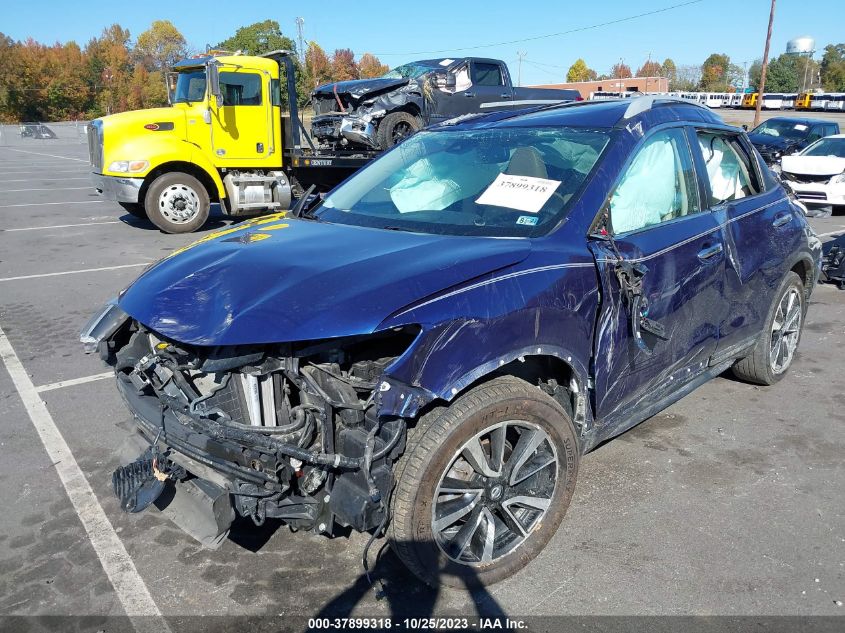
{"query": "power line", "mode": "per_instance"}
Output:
(548, 35)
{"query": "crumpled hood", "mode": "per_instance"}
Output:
(280, 279)
(357, 88)
(772, 142)
(813, 165)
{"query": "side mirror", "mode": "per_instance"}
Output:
(170, 80)
(745, 127)
(214, 83)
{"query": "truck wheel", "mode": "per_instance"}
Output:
(483, 484)
(775, 349)
(177, 203)
(395, 128)
(134, 208)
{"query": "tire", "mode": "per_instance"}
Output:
(134, 208)
(395, 128)
(508, 408)
(760, 366)
(177, 203)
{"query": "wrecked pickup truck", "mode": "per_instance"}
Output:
(379, 113)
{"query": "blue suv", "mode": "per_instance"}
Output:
(431, 348)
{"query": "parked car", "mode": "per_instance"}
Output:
(36, 130)
(436, 343)
(780, 136)
(817, 174)
(378, 113)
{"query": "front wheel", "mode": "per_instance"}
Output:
(395, 128)
(775, 348)
(177, 203)
(483, 484)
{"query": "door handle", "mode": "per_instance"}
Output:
(784, 218)
(711, 251)
(505, 95)
(469, 94)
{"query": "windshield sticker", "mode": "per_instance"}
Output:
(530, 220)
(446, 62)
(523, 193)
(800, 126)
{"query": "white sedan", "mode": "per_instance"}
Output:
(817, 174)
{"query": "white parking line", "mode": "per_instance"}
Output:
(58, 226)
(46, 178)
(38, 204)
(74, 272)
(81, 160)
(118, 565)
(837, 232)
(44, 189)
(74, 381)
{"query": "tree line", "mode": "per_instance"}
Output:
(114, 73)
(786, 73)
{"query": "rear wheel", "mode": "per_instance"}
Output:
(483, 484)
(177, 203)
(134, 208)
(775, 348)
(395, 128)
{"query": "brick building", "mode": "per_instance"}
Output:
(632, 84)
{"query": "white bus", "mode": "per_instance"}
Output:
(736, 100)
(836, 102)
(818, 102)
(772, 101)
(710, 99)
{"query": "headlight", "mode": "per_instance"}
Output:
(129, 166)
(101, 326)
(838, 180)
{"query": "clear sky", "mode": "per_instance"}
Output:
(400, 31)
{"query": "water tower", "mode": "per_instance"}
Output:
(804, 46)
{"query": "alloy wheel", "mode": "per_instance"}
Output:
(494, 491)
(786, 329)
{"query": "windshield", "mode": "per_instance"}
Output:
(781, 128)
(408, 71)
(826, 147)
(190, 87)
(500, 182)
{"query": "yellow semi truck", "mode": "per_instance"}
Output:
(225, 138)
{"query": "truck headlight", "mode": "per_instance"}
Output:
(129, 166)
(838, 180)
(101, 326)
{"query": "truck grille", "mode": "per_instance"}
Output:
(95, 144)
(805, 179)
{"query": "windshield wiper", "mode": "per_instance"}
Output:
(298, 210)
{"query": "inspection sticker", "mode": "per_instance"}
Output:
(523, 193)
(530, 220)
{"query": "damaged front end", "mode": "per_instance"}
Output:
(290, 431)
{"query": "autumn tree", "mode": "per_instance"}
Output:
(343, 65)
(833, 68)
(258, 38)
(714, 72)
(650, 69)
(160, 46)
(669, 70)
(318, 65)
(579, 71)
(370, 66)
(620, 70)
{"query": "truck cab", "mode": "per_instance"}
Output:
(219, 141)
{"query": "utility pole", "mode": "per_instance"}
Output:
(300, 22)
(520, 55)
(648, 71)
(762, 85)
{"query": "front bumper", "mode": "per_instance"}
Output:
(117, 188)
(819, 193)
(351, 128)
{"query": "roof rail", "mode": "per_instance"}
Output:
(644, 104)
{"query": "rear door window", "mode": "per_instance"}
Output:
(731, 174)
(487, 74)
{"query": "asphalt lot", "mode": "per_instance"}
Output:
(728, 503)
